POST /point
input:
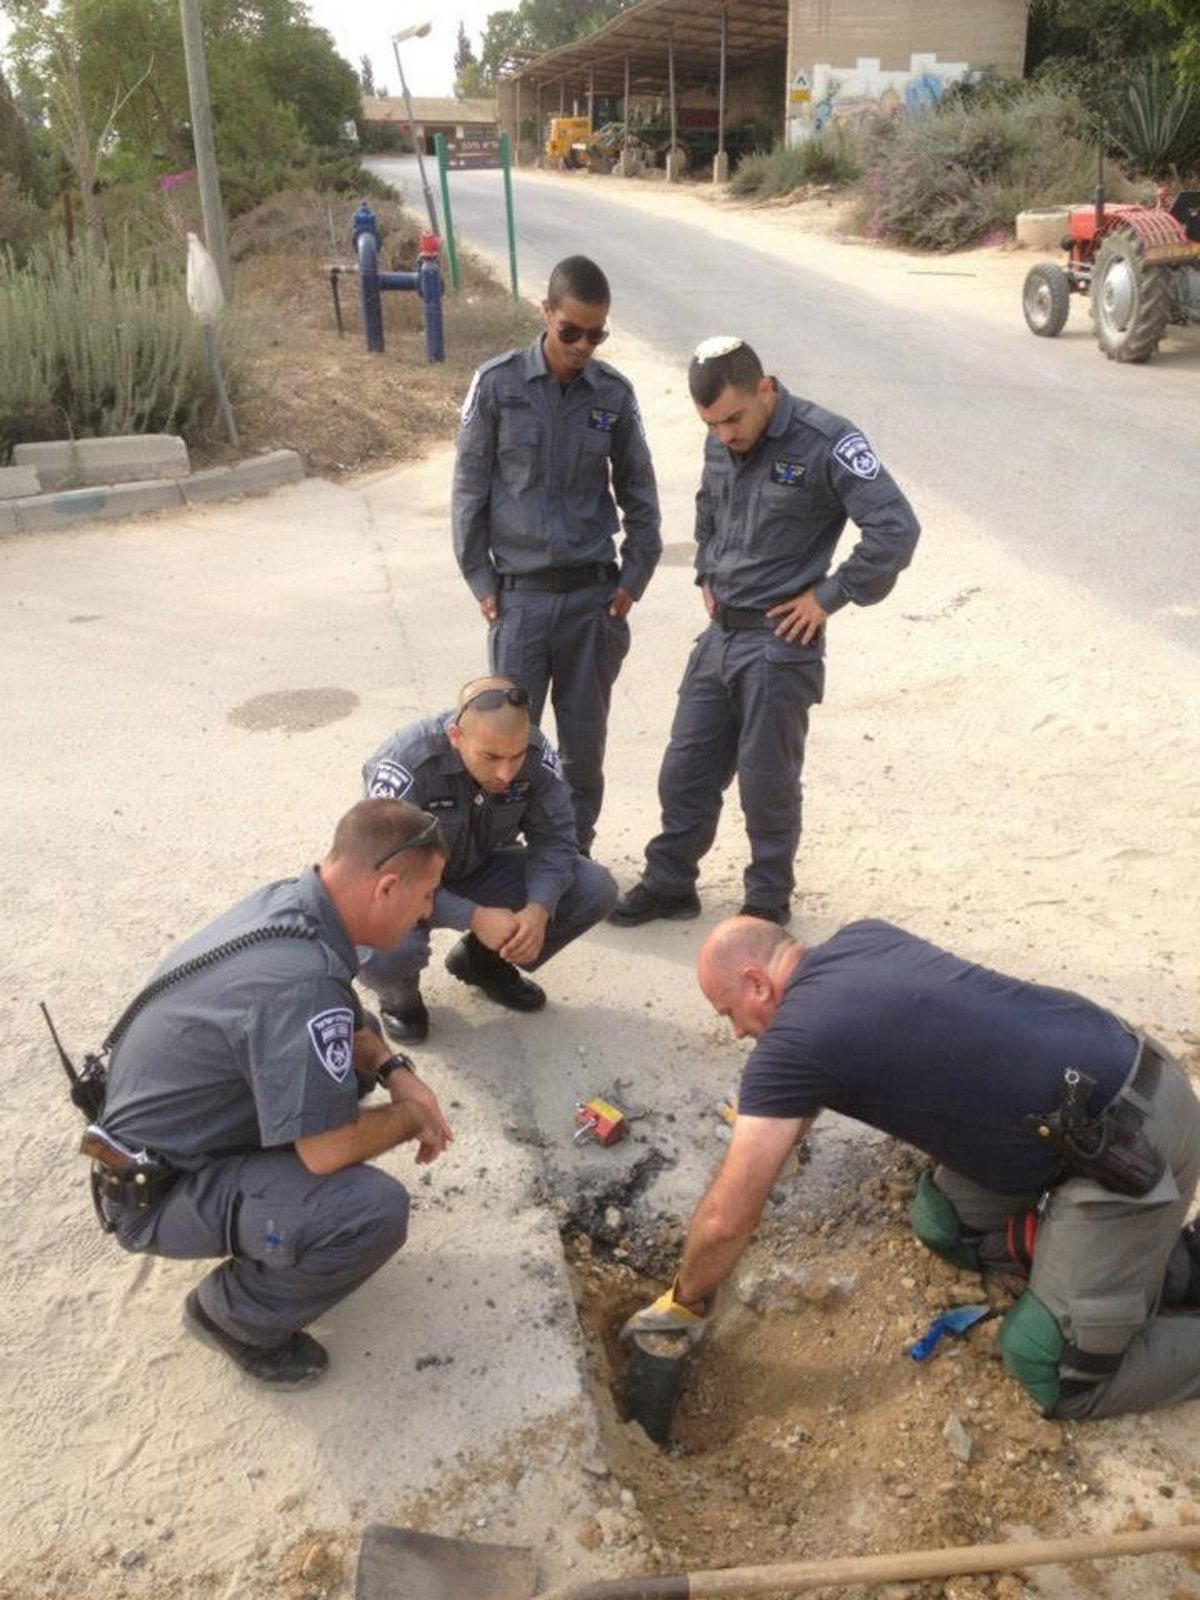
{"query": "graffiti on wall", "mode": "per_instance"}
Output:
(860, 93)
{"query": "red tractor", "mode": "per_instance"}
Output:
(1140, 265)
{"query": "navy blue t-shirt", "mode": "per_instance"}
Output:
(949, 1056)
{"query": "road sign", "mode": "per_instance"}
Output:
(474, 151)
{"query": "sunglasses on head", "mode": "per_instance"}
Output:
(430, 834)
(568, 333)
(492, 700)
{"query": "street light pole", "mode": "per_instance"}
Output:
(397, 40)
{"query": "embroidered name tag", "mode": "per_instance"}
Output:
(441, 802)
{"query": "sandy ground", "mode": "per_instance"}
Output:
(1003, 765)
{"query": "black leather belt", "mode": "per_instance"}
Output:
(560, 580)
(736, 619)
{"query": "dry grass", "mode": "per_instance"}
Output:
(303, 387)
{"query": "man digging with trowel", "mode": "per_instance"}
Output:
(1067, 1147)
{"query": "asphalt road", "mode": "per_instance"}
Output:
(1079, 465)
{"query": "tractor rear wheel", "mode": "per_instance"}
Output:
(1046, 299)
(1131, 302)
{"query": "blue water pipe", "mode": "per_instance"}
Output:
(426, 281)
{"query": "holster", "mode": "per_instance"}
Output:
(1112, 1148)
(135, 1179)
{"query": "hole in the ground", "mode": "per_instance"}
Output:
(803, 1429)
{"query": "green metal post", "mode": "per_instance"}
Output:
(439, 144)
(506, 163)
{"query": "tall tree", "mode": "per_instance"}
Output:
(535, 26)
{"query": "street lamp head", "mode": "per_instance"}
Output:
(418, 31)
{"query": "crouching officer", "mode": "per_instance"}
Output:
(231, 1125)
(1067, 1143)
(491, 779)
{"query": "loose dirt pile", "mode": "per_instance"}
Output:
(805, 1430)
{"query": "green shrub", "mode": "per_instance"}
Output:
(22, 220)
(89, 348)
(946, 179)
(831, 157)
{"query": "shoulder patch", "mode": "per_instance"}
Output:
(390, 781)
(549, 757)
(472, 399)
(332, 1035)
(853, 451)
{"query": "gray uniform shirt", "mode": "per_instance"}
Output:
(420, 765)
(767, 523)
(541, 470)
(251, 1053)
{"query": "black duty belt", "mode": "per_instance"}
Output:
(1140, 1086)
(736, 619)
(560, 580)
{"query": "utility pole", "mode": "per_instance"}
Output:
(202, 141)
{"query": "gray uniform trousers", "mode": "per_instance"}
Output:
(569, 646)
(743, 709)
(1101, 1261)
(499, 881)
(296, 1243)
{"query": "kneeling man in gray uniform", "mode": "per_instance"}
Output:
(491, 779)
(1066, 1147)
(231, 1124)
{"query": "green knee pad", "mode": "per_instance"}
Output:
(1031, 1343)
(939, 1228)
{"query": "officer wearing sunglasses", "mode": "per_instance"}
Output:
(552, 460)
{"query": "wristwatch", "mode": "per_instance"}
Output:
(394, 1063)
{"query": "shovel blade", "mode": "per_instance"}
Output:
(406, 1564)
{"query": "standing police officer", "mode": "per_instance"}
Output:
(231, 1124)
(491, 779)
(551, 444)
(1068, 1147)
(781, 477)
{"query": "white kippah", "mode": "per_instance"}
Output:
(719, 345)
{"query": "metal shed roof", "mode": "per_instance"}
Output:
(755, 28)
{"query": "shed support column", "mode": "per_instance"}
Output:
(628, 164)
(674, 161)
(721, 159)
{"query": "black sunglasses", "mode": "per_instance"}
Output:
(431, 833)
(492, 700)
(568, 333)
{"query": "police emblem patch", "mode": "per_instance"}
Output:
(786, 469)
(471, 400)
(550, 758)
(390, 782)
(603, 421)
(855, 453)
(517, 791)
(332, 1034)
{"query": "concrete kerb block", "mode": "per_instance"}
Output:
(8, 518)
(50, 513)
(128, 458)
(251, 476)
(17, 481)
